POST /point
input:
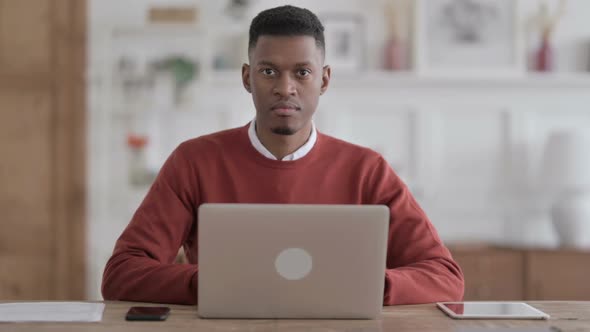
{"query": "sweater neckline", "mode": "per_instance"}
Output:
(270, 163)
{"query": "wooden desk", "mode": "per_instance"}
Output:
(569, 316)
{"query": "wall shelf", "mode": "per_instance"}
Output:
(411, 80)
(383, 79)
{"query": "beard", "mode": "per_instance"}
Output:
(285, 131)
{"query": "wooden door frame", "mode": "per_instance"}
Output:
(69, 63)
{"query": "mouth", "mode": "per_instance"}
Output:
(285, 109)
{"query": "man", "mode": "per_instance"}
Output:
(279, 157)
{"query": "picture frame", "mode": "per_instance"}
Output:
(468, 38)
(345, 37)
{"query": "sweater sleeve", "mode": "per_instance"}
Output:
(420, 268)
(141, 267)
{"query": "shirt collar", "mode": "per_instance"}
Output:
(299, 153)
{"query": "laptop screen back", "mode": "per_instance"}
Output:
(291, 261)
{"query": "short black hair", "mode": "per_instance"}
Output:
(286, 21)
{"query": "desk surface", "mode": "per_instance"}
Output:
(568, 316)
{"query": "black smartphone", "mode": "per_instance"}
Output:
(147, 313)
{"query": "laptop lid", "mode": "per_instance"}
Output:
(291, 261)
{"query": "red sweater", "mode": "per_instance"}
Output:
(224, 167)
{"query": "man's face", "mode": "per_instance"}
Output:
(286, 77)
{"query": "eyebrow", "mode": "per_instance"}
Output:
(265, 63)
(268, 63)
(303, 64)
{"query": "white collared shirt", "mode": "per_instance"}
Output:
(300, 153)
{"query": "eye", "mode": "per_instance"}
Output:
(268, 71)
(303, 72)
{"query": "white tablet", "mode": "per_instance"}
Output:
(491, 310)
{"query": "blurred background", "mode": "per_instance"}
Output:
(481, 106)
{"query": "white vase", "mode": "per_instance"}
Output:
(571, 218)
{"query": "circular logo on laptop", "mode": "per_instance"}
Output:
(293, 263)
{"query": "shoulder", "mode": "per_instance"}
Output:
(211, 142)
(339, 148)
(358, 159)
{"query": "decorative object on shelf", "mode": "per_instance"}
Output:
(183, 70)
(136, 81)
(231, 42)
(145, 55)
(222, 62)
(345, 41)
(141, 79)
(566, 173)
(468, 38)
(174, 15)
(546, 23)
(237, 8)
(394, 55)
(139, 172)
(231, 51)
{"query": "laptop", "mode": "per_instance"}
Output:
(291, 261)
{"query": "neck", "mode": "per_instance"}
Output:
(283, 145)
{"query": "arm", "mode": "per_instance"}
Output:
(141, 267)
(420, 268)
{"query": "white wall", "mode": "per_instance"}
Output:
(469, 150)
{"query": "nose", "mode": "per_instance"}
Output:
(285, 86)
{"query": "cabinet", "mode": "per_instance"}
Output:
(557, 275)
(43, 149)
(499, 273)
(491, 273)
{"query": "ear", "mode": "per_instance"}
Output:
(246, 77)
(326, 74)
